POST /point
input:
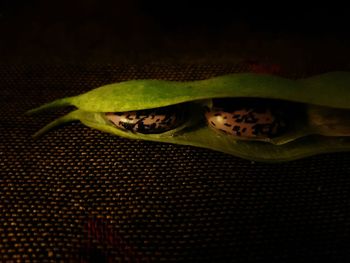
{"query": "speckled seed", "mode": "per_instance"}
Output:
(147, 121)
(245, 122)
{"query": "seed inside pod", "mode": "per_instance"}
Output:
(246, 118)
(151, 121)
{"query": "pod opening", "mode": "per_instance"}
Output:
(269, 120)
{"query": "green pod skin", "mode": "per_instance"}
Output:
(304, 136)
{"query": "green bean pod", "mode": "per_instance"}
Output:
(316, 111)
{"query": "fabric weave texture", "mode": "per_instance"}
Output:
(81, 195)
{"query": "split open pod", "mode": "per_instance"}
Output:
(253, 116)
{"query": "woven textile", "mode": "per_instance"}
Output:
(81, 195)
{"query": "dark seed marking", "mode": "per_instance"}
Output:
(127, 126)
(217, 114)
(228, 125)
(129, 117)
(236, 128)
(212, 123)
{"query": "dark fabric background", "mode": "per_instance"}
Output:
(80, 195)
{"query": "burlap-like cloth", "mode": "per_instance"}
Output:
(81, 195)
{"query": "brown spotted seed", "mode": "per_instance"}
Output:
(146, 121)
(245, 123)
